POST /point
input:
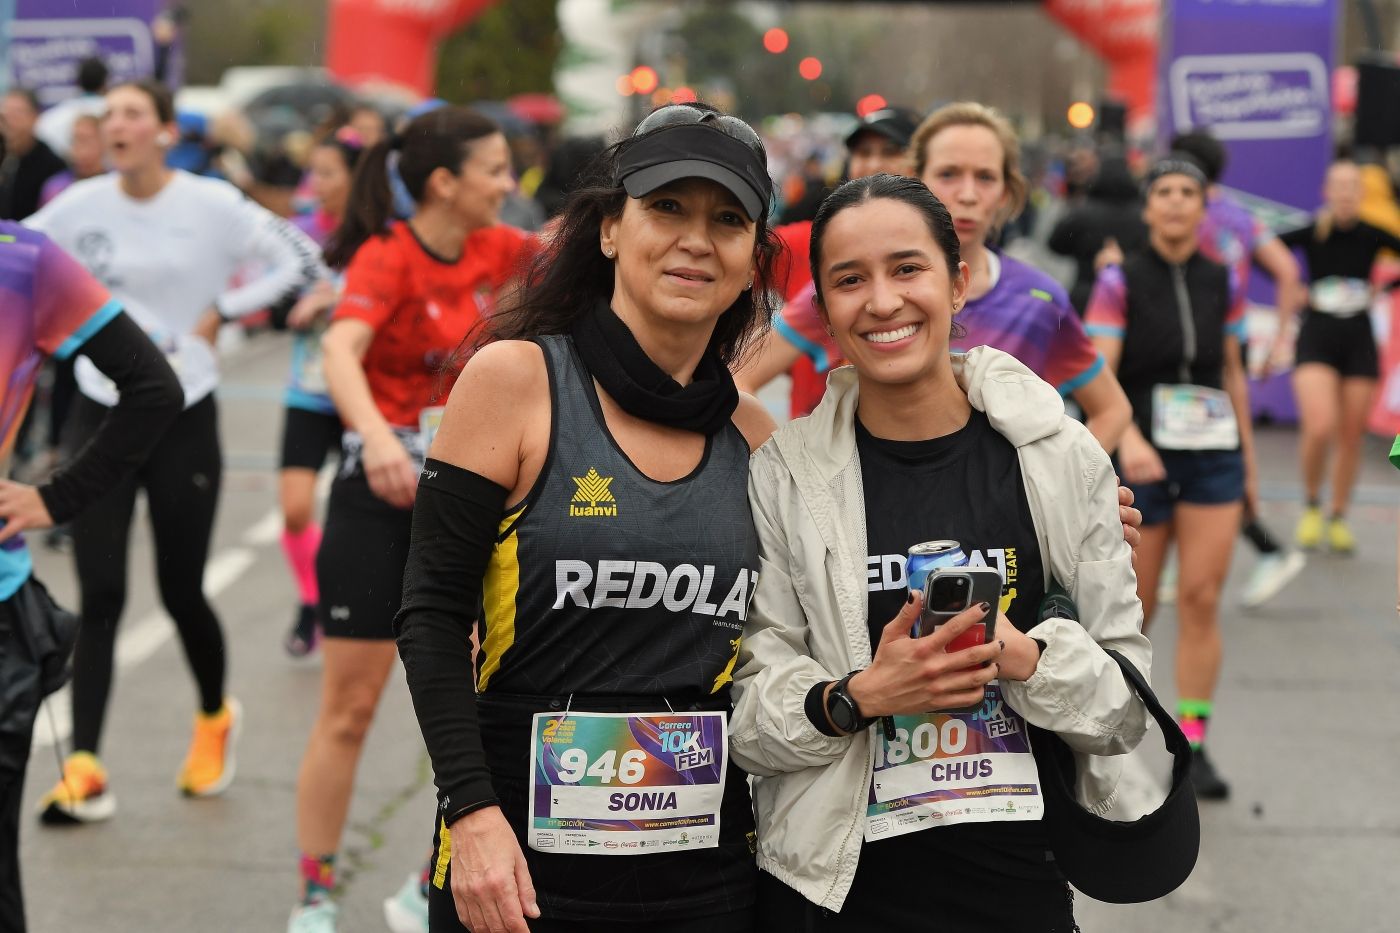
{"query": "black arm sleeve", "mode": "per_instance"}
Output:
(151, 399)
(455, 517)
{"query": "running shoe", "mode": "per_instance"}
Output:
(1271, 573)
(407, 910)
(1207, 783)
(209, 767)
(1339, 537)
(1309, 531)
(301, 640)
(82, 796)
(1166, 584)
(316, 917)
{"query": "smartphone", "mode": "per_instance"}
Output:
(952, 590)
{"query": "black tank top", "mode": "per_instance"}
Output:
(612, 592)
(604, 581)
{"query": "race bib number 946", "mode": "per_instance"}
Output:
(626, 783)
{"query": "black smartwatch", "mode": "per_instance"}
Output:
(842, 709)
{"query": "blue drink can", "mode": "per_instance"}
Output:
(929, 556)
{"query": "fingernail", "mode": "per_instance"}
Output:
(911, 597)
(984, 606)
(1001, 645)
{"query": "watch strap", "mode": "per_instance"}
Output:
(840, 694)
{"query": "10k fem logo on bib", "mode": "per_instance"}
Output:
(953, 768)
(626, 783)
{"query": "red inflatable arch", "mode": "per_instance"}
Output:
(1124, 33)
(393, 41)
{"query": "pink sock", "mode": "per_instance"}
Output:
(301, 551)
(1194, 730)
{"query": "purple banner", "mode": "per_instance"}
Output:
(1258, 74)
(48, 40)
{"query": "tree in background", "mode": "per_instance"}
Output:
(220, 34)
(510, 49)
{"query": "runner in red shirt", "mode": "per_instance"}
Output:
(413, 290)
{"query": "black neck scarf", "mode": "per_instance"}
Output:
(641, 388)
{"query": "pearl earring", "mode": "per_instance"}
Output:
(608, 252)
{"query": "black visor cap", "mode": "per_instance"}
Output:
(697, 151)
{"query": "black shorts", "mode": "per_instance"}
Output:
(308, 437)
(364, 547)
(963, 901)
(1346, 344)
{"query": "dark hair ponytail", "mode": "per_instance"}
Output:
(441, 138)
(909, 191)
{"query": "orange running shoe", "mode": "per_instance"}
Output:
(209, 767)
(82, 796)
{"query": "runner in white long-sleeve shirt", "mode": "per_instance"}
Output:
(166, 244)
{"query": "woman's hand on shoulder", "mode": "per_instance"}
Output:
(499, 408)
(918, 675)
(1129, 516)
(753, 421)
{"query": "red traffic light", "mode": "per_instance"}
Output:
(869, 104)
(775, 40)
(810, 68)
(644, 79)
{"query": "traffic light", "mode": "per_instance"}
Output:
(810, 68)
(644, 79)
(775, 40)
(869, 104)
(1080, 115)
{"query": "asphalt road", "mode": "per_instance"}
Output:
(1307, 728)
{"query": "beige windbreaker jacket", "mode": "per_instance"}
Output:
(808, 619)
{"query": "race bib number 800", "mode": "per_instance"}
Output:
(626, 783)
(944, 768)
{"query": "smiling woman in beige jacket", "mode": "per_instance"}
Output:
(889, 282)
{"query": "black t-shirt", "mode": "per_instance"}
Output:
(1346, 253)
(966, 486)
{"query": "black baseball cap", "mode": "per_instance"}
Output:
(893, 123)
(700, 149)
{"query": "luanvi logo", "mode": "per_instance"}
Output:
(593, 490)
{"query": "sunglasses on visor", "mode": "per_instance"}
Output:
(683, 115)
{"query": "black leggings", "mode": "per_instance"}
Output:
(181, 481)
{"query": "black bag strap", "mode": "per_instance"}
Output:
(1060, 604)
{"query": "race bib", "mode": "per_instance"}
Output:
(626, 783)
(1340, 296)
(944, 768)
(1187, 417)
(309, 373)
(429, 420)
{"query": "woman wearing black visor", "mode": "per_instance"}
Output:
(587, 488)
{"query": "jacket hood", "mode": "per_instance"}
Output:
(1019, 405)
